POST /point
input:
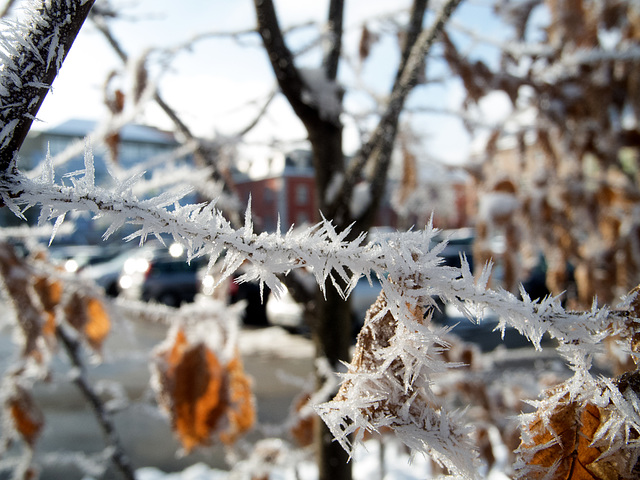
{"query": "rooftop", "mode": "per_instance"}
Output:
(130, 132)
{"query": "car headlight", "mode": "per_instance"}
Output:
(208, 283)
(125, 282)
(71, 266)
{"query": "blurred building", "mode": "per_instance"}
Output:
(133, 146)
(284, 185)
(135, 143)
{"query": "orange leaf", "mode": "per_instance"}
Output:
(203, 398)
(49, 291)
(89, 317)
(564, 443)
(242, 411)
(191, 387)
(74, 311)
(98, 325)
(18, 281)
(302, 430)
(27, 417)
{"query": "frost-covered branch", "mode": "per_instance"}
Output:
(409, 269)
(32, 51)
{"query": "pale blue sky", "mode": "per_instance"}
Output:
(209, 85)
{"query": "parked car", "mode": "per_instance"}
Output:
(284, 311)
(74, 258)
(161, 276)
(107, 273)
(483, 333)
(459, 243)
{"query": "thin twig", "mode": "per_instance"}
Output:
(118, 455)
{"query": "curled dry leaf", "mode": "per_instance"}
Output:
(27, 418)
(50, 293)
(573, 440)
(393, 391)
(241, 412)
(89, 317)
(562, 443)
(98, 324)
(191, 383)
(18, 281)
(202, 396)
(303, 426)
(366, 41)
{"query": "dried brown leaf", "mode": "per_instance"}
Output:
(241, 412)
(200, 394)
(302, 429)
(89, 317)
(27, 418)
(196, 377)
(49, 291)
(563, 440)
(98, 325)
(18, 282)
(366, 40)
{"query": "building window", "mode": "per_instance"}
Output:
(302, 194)
(302, 218)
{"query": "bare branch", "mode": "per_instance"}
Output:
(381, 140)
(333, 41)
(281, 58)
(259, 115)
(118, 455)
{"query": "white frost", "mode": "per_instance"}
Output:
(360, 199)
(322, 93)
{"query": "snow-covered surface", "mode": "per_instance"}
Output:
(274, 342)
(398, 465)
(321, 92)
(497, 204)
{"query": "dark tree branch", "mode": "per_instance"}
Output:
(324, 128)
(378, 148)
(334, 40)
(34, 64)
(282, 61)
(411, 34)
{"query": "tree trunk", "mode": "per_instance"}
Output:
(332, 339)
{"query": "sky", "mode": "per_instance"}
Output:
(213, 84)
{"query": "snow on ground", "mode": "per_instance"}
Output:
(274, 341)
(398, 465)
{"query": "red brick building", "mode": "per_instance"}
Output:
(284, 185)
